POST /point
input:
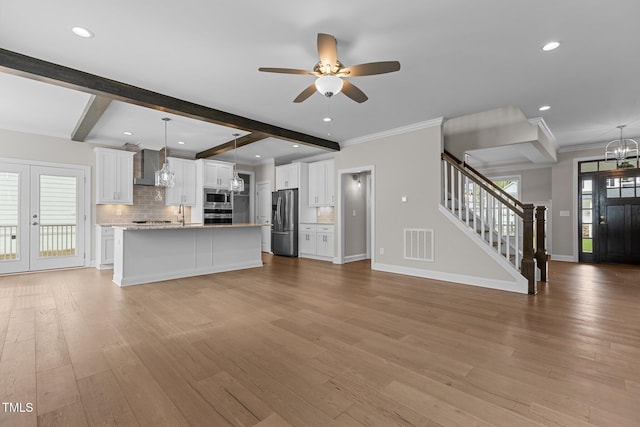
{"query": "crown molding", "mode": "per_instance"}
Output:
(542, 125)
(513, 167)
(392, 132)
(582, 147)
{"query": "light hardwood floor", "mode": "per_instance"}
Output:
(302, 342)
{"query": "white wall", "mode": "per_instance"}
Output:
(408, 164)
(18, 145)
(266, 171)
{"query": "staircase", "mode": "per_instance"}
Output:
(499, 220)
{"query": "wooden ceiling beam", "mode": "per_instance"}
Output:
(26, 66)
(95, 108)
(229, 145)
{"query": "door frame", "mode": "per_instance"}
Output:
(340, 244)
(270, 188)
(89, 206)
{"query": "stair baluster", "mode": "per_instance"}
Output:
(503, 222)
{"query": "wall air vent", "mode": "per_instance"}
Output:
(418, 244)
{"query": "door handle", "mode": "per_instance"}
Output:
(34, 223)
(602, 221)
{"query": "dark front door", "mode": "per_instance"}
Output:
(619, 217)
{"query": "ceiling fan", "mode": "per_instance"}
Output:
(331, 72)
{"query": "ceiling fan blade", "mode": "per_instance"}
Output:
(306, 93)
(353, 92)
(284, 70)
(371, 68)
(327, 49)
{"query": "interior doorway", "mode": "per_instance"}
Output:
(356, 213)
(42, 217)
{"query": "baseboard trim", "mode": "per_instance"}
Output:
(565, 258)
(518, 286)
(316, 257)
(352, 258)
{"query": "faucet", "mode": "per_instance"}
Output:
(181, 211)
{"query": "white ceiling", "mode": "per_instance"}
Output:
(458, 57)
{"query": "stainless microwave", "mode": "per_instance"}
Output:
(216, 196)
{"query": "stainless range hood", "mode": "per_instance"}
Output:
(150, 163)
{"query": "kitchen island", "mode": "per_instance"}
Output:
(151, 253)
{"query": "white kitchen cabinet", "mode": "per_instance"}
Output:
(114, 176)
(330, 186)
(288, 176)
(316, 241)
(184, 190)
(104, 247)
(324, 238)
(307, 239)
(321, 191)
(216, 174)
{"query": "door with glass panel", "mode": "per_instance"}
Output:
(14, 218)
(619, 217)
(41, 218)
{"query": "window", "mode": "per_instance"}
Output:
(586, 215)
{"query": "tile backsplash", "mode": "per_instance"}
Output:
(324, 215)
(148, 204)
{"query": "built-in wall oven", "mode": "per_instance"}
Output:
(217, 207)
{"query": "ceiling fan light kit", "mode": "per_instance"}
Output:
(331, 72)
(329, 85)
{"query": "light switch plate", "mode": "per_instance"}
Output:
(564, 213)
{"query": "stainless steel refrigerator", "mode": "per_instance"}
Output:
(284, 222)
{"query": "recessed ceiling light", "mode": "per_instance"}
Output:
(128, 133)
(550, 46)
(258, 155)
(327, 119)
(82, 32)
(545, 108)
(181, 142)
(295, 146)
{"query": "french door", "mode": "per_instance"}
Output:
(42, 217)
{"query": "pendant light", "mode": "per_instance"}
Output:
(164, 177)
(236, 184)
(622, 148)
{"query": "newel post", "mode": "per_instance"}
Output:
(528, 265)
(541, 251)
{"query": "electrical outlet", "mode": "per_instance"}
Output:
(118, 212)
(354, 212)
(381, 251)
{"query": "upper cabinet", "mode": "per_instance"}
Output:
(114, 176)
(216, 174)
(184, 191)
(321, 184)
(288, 176)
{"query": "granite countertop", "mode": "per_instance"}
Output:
(143, 227)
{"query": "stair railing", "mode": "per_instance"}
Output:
(502, 221)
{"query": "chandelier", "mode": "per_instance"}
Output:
(622, 148)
